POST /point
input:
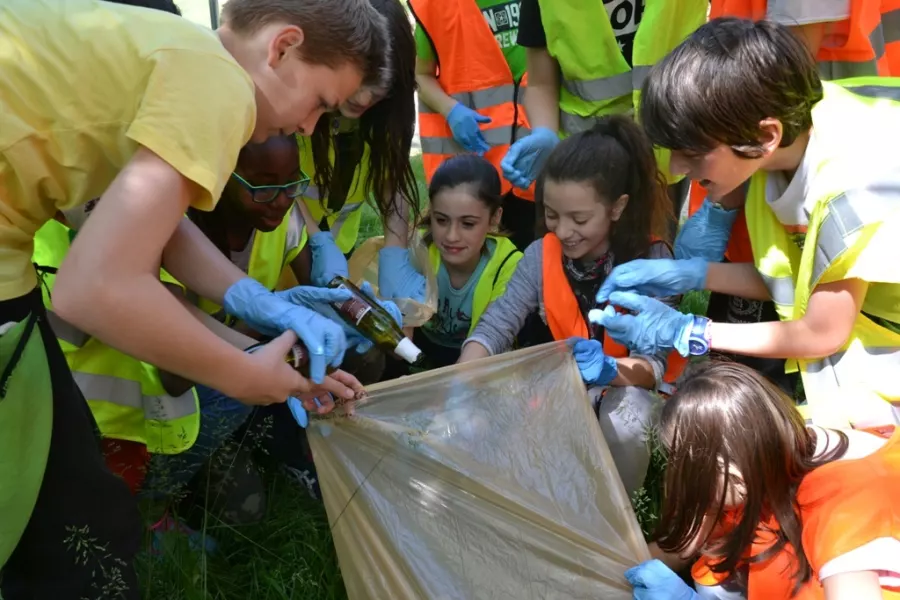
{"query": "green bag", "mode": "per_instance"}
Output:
(26, 422)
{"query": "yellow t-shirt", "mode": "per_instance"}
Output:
(83, 83)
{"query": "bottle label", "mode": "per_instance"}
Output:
(354, 308)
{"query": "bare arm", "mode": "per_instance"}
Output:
(301, 266)
(635, 371)
(397, 223)
(858, 585)
(822, 331)
(109, 286)
(737, 279)
(812, 35)
(542, 98)
(193, 260)
(430, 91)
(175, 385)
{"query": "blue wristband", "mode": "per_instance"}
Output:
(699, 341)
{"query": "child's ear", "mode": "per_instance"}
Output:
(496, 218)
(618, 207)
(771, 131)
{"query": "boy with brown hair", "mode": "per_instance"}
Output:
(741, 102)
(146, 111)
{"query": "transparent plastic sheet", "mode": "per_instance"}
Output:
(484, 480)
(363, 266)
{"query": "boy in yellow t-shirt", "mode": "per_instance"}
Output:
(146, 111)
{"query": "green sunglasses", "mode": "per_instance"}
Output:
(263, 194)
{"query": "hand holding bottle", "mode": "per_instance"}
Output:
(273, 313)
(272, 380)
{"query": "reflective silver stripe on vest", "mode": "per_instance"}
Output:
(847, 214)
(890, 23)
(876, 91)
(843, 69)
(572, 123)
(498, 136)
(346, 211)
(480, 99)
(125, 392)
(607, 88)
(66, 331)
(884, 359)
(780, 288)
(312, 193)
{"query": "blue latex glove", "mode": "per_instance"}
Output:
(706, 233)
(654, 326)
(657, 277)
(525, 159)
(327, 259)
(298, 412)
(293, 403)
(391, 308)
(596, 368)
(274, 313)
(652, 580)
(355, 340)
(397, 278)
(463, 122)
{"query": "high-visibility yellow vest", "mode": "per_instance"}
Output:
(852, 233)
(595, 79)
(496, 275)
(343, 221)
(271, 253)
(126, 395)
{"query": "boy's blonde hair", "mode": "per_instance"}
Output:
(336, 32)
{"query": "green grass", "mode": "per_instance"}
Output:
(289, 555)
(371, 225)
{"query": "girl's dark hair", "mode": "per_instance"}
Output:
(614, 157)
(724, 79)
(727, 418)
(387, 128)
(477, 174)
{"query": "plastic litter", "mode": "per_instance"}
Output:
(489, 479)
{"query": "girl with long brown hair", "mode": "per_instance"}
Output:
(602, 202)
(775, 509)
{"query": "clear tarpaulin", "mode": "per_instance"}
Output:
(484, 480)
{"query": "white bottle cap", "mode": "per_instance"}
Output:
(408, 351)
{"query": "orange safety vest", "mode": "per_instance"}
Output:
(890, 25)
(864, 38)
(473, 71)
(861, 36)
(564, 315)
(843, 506)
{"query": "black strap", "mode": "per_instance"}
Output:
(500, 268)
(17, 354)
